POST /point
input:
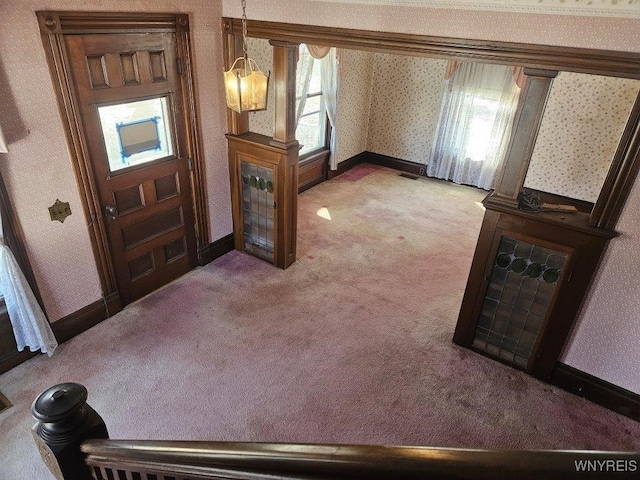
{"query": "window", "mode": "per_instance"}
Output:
(476, 115)
(136, 132)
(311, 115)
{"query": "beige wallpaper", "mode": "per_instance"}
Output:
(580, 131)
(354, 98)
(38, 169)
(262, 52)
(405, 105)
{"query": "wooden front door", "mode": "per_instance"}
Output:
(128, 88)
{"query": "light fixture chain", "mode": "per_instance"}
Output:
(244, 29)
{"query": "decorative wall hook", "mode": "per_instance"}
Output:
(59, 211)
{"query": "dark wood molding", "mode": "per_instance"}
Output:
(73, 22)
(621, 176)
(511, 174)
(216, 249)
(74, 324)
(546, 57)
(68, 327)
(313, 170)
(57, 59)
(284, 92)
(395, 163)
(347, 164)
(596, 390)
(205, 460)
(194, 134)
(53, 27)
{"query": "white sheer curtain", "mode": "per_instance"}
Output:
(3, 143)
(329, 84)
(476, 115)
(303, 77)
(30, 326)
(330, 94)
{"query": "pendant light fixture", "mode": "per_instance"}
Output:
(245, 85)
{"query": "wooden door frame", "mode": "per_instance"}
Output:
(626, 161)
(53, 27)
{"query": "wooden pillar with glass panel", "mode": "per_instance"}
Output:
(264, 170)
(533, 265)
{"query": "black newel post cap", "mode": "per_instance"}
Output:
(59, 402)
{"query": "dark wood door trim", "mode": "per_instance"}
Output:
(53, 27)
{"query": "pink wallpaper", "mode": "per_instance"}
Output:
(38, 169)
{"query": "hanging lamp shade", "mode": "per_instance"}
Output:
(246, 86)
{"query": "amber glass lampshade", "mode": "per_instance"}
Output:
(246, 86)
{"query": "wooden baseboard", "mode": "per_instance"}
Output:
(68, 327)
(313, 170)
(216, 249)
(347, 164)
(596, 390)
(395, 163)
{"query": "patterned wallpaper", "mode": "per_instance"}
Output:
(38, 170)
(262, 52)
(605, 340)
(354, 98)
(405, 105)
(580, 131)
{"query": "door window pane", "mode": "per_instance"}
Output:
(136, 132)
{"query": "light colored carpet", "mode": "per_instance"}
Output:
(352, 344)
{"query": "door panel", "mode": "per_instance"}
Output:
(130, 98)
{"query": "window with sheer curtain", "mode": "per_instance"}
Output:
(311, 115)
(476, 116)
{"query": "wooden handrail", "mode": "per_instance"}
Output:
(204, 460)
(73, 441)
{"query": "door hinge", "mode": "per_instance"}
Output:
(190, 164)
(179, 65)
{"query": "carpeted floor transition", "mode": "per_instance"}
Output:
(352, 344)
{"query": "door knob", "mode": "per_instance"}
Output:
(111, 211)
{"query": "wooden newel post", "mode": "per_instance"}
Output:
(64, 422)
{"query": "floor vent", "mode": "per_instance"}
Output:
(4, 403)
(409, 175)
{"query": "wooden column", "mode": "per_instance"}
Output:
(284, 84)
(533, 99)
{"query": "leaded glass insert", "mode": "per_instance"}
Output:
(258, 210)
(522, 284)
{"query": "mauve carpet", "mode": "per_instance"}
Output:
(351, 344)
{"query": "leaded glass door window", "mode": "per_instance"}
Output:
(522, 286)
(258, 209)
